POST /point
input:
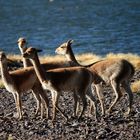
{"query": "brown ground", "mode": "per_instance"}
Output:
(111, 127)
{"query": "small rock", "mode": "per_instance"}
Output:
(101, 134)
(11, 137)
(31, 133)
(10, 114)
(131, 123)
(75, 124)
(2, 114)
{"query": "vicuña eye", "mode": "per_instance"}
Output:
(63, 47)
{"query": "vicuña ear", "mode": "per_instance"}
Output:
(69, 42)
(39, 50)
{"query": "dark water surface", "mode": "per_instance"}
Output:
(97, 26)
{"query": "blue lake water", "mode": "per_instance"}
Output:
(96, 26)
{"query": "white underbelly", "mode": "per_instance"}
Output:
(48, 86)
(10, 88)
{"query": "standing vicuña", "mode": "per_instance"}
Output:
(116, 72)
(72, 79)
(18, 82)
(37, 89)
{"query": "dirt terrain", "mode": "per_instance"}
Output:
(115, 126)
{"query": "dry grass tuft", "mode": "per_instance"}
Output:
(14, 57)
(136, 86)
(88, 58)
(48, 58)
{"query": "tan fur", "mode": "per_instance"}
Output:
(23, 83)
(116, 72)
(63, 79)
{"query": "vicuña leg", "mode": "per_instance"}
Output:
(126, 86)
(84, 103)
(55, 97)
(18, 105)
(38, 100)
(116, 88)
(41, 98)
(76, 104)
(89, 94)
(100, 96)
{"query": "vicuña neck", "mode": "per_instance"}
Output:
(26, 62)
(38, 69)
(71, 58)
(6, 78)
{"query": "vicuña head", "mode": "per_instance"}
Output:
(64, 48)
(22, 44)
(31, 53)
